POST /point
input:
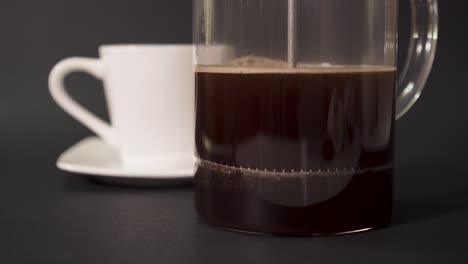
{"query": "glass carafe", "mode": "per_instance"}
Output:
(296, 108)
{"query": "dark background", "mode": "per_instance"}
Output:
(48, 216)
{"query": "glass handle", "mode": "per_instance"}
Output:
(421, 53)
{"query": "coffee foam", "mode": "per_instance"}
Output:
(261, 65)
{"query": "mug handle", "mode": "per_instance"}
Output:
(421, 54)
(57, 76)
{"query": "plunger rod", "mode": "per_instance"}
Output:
(292, 33)
(209, 21)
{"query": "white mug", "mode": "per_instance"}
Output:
(150, 96)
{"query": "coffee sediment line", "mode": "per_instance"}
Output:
(291, 172)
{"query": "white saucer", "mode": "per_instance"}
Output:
(94, 157)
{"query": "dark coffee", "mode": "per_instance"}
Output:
(295, 151)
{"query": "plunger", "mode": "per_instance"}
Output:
(292, 33)
(208, 5)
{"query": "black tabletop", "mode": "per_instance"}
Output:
(49, 216)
